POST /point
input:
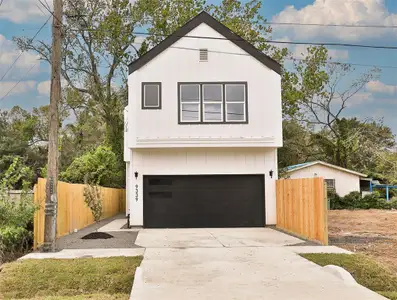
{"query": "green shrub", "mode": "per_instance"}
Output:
(17, 213)
(16, 216)
(99, 167)
(14, 241)
(352, 200)
(336, 202)
(393, 203)
(372, 200)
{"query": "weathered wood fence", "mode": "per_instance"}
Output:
(302, 208)
(73, 213)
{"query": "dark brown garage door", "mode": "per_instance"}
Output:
(204, 201)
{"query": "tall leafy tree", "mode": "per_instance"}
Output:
(97, 45)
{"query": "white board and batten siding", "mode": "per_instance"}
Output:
(155, 142)
(202, 161)
(344, 182)
(160, 128)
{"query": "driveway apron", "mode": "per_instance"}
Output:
(233, 263)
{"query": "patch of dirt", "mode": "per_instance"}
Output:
(97, 236)
(371, 232)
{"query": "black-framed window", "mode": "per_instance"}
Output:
(213, 102)
(151, 95)
(330, 184)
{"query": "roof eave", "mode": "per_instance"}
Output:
(330, 166)
(204, 17)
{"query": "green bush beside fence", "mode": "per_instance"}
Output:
(354, 200)
(16, 216)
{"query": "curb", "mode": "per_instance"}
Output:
(138, 280)
(342, 274)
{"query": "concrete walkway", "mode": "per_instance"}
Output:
(236, 264)
(121, 238)
(85, 253)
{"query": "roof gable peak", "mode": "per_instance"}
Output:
(206, 18)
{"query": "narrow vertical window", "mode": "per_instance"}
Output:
(212, 103)
(151, 95)
(235, 102)
(189, 102)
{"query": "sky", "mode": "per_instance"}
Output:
(377, 100)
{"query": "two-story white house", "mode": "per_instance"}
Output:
(203, 124)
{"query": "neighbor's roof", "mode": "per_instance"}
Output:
(294, 168)
(204, 17)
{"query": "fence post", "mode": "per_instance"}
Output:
(326, 208)
(35, 220)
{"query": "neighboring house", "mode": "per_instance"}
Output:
(203, 125)
(342, 180)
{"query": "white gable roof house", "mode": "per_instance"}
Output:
(343, 181)
(203, 124)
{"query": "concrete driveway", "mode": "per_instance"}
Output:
(234, 264)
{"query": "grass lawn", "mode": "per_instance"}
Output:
(74, 279)
(364, 270)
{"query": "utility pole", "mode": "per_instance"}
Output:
(51, 201)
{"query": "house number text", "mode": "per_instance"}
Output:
(136, 193)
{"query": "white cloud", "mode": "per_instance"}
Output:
(20, 88)
(9, 53)
(338, 54)
(358, 12)
(21, 11)
(381, 88)
(359, 98)
(44, 88)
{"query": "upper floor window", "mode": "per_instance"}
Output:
(213, 102)
(151, 95)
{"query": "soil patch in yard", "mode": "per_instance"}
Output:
(370, 232)
(364, 270)
(45, 278)
(97, 236)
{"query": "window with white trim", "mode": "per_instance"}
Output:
(235, 102)
(190, 102)
(151, 95)
(213, 102)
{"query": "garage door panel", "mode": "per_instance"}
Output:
(204, 201)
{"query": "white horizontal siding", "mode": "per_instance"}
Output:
(344, 182)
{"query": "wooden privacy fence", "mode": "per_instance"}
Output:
(302, 208)
(73, 213)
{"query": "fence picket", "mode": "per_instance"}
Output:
(73, 213)
(302, 208)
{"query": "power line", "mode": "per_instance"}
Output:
(292, 58)
(316, 24)
(20, 80)
(47, 7)
(277, 42)
(351, 64)
(20, 54)
(332, 25)
(267, 41)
